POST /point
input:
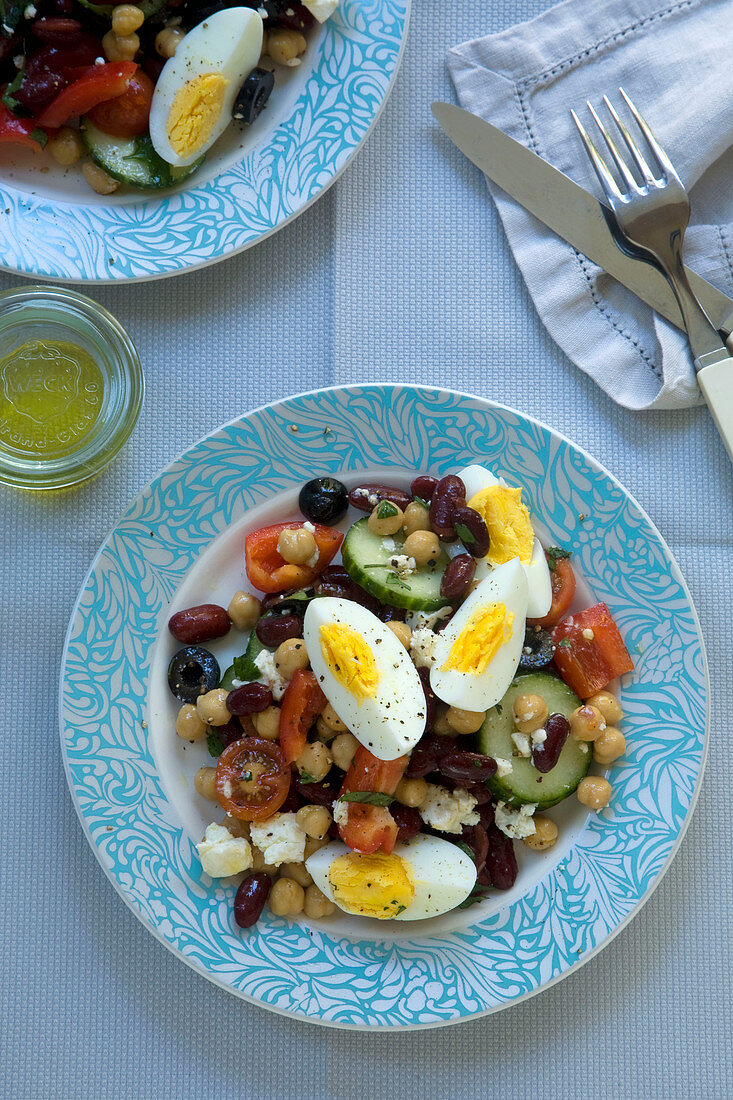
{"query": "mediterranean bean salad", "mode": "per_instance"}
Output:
(139, 92)
(397, 721)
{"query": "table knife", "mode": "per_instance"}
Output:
(574, 214)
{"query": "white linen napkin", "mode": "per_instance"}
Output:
(674, 60)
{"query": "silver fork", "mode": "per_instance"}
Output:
(651, 210)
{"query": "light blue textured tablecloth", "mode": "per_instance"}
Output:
(400, 272)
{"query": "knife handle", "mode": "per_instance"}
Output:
(716, 383)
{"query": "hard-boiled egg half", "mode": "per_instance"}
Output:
(194, 97)
(367, 676)
(477, 653)
(511, 533)
(420, 878)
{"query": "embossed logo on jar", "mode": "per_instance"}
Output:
(39, 380)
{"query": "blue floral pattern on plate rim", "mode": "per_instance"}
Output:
(358, 58)
(424, 981)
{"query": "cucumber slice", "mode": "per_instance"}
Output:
(132, 160)
(253, 650)
(525, 784)
(366, 559)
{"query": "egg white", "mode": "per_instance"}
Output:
(391, 722)
(505, 584)
(443, 876)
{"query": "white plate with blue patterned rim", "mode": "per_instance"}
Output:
(181, 540)
(253, 182)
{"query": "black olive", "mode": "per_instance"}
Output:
(253, 95)
(323, 500)
(192, 671)
(541, 650)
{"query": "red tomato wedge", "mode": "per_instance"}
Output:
(252, 781)
(267, 569)
(370, 828)
(589, 663)
(562, 579)
(18, 131)
(97, 84)
(302, 702)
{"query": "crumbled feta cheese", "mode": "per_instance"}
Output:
(389, 545)
(448, 811)
(429, 621)
(370, 498)
(504, 766)
(222, 854)
(521, 743)
(313, 559)
(538, 737)
(321, 9)
(280, 839)
(30, 12)
(265, 662)
(583, 747)
(308, 526)
(402, 565)
(422, 647)
(340, 811)
(293, 62)
(588, 634)
(99, 61)
(19, 61)
(515, 823)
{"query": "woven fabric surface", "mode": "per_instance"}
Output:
(401, 272)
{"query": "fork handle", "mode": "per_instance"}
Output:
(716, 383)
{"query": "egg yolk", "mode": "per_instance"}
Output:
(195, 111)
(508, 522)
(378, 885)
(487, 630)
(350, 660)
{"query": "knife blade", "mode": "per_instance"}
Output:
(572, 212)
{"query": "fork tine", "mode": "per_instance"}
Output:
(633, 148)
(664, 162)
(606, 180)
(626, 176)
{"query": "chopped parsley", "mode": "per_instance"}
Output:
(245, 668)
(419, 500)
(386, 509)
(466, 536)
(565, 643)
(371, 798)
(464, 848)
(554, 554)
(214, 743)
(306, 777)
(8, 96)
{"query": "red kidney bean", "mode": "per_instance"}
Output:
(250, 898)
(229, 733)
(274, 629)
(153, 66)
(365, 599)
(249, 699)
(546, 755)
(427, 755)
(431, 701)
(359, 497)
(199, 624)
(390, 614)
(472, 531)
(292, 802)
(40, 86)
(475, 836)
(408, 821)
(481, 793)
(424, 486)
(449, 494)
(333, 581)
(57, 30)
(482, 878)
(501, 863)
(467, 768)
(323, 793)
(299, 19)
(458, 575)
(486, 813)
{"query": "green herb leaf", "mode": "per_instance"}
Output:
(419, 500)
(370, 798)
(394, 581)
(39, 135)
(565, 643)
(245, 668)
(466, 537)
(386, 509)
(214, 743)
(105, 10)
(479, 893)
(306, 777)
(400, 909)
(554, 554)
(8, 97)
(464, 848)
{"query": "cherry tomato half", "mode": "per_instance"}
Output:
(562, 579)
(269, 572)
(252, 782)
(126, 115)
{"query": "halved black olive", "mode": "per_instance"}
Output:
(192, 671)
(253, 95)
(538, 650)
(323, 500)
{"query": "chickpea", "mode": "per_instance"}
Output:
(119, 47)
(608, 705)
(126, 18)
(258, 863)
(285, 45)
(417, 518)
(332, 720)
(545, 835)
(343, 750)
(401, 631)
(189, 724)
(267, 723)
(386, 519)
(66, 146)
(296, 545)
(289, 656)
(441, 725)
(594, 792)
(315, 821)
(297, 872)
(98, 179)
(315, 760)
(236, 827)
(530, 712)
(287, 898)
(317, 904)
(412, 792)
(586, 723)
(423, 546)
(609, 745)
(204, 782)
(325, 733)
(168, 40)
(465, 721)
(244, 610)
(312, 845)
(212, 707)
